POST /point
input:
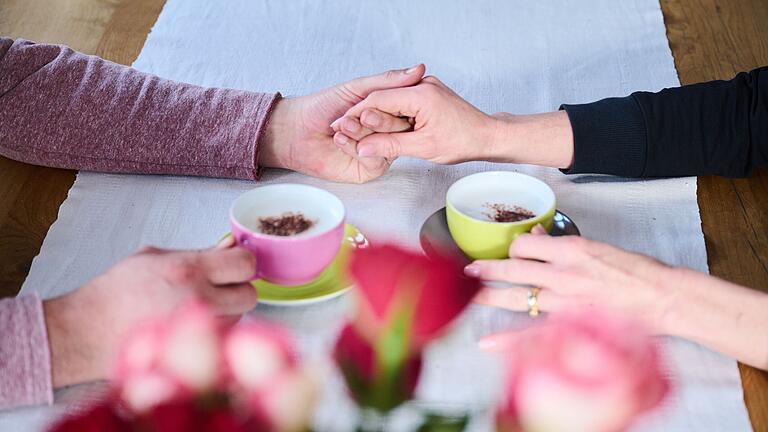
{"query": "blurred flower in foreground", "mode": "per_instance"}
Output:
(189, 373)
(369, 379)
(581, 372)
(405, 301)
(398, 285)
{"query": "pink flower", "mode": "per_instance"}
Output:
(192, 352)
(185, 372)
(373, 381)
(395, 283)
(140, 381)
(262, 360)
(256, 352)
(162, 360)
(585, 372)
(287, 402)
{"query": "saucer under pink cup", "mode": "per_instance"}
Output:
(291, 260)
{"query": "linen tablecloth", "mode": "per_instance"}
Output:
(514, 56)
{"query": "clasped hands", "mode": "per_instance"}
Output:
(352, 132)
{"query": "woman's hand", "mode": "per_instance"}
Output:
(574, 272)
(86, 325)
(447, 129)
(299, 136)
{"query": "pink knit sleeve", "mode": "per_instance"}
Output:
(64, 109)
(25, 359)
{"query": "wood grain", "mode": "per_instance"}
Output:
(710, 39)
(713, 39)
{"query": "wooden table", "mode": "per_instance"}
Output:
(710, 39)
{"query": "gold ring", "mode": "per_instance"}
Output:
(533, 302)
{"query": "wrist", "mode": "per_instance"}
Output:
(74, 351)
(274, 146)
(537, 139)
(719, 315)
(671, 291)
(501, 140)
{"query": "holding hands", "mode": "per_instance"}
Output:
(446, 128)
(430, 121)
(298, 136)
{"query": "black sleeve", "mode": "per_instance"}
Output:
(719, 127)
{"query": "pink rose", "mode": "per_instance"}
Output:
(287, 401)
(262, 360)
(176, 357)
(139, 380)
(587, 372)
(255, 352)
(186, 372)
(192, 348)
(395, 283)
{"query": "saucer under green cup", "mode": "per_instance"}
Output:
(332, 282)
(467, 201)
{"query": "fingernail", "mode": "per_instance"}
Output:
(412, 70)
(371, 118)
(351, 126)
(226, 242)
(335, 123)
(472, 270)
(366, 152)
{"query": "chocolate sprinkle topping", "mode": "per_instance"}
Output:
(506, 213)
(287, 224)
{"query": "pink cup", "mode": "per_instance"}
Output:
(297, 259)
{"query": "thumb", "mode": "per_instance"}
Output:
(389, 145)
(362, 87)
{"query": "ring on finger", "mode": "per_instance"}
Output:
(533, 301)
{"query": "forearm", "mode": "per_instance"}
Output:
(537, 139)
(64, 109)
(720, 315)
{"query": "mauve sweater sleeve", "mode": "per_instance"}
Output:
(65, 109)
(25, 359)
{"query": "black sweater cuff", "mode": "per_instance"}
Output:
(609, 137)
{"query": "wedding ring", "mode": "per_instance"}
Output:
(533, 302)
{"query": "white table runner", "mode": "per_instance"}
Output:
(515, 56)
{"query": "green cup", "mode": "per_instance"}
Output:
(469, 209)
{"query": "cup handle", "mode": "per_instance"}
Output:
(243, 241)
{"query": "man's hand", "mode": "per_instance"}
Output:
(299, 136)
(86, 325)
